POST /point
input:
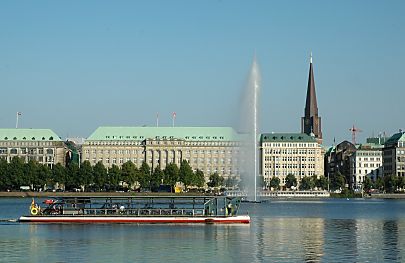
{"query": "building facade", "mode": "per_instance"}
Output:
(290, 153)
(41, 145)
(366, 161)
(394, 155)
(209, 149)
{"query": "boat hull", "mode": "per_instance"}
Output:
(243, 219)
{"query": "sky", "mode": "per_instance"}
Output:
(73, 66)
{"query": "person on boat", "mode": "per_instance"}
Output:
(229, 209)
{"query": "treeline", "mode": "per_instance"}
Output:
(388, 184)
(306, 183)
(15, 174)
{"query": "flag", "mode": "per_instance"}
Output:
(19, 113)
(174, 114)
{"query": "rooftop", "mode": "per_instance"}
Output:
(286, 137)
(28, 135)
(398, 137)
(164, 133)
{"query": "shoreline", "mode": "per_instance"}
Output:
(24, 194)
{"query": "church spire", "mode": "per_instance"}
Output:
(311, 122)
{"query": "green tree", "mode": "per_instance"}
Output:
(275, 183)
(31, 174)
(5, 182)
(307, 183)
(16, 173)
(290, 181)
(73, 178)
(322, 182)
(199, 179)
(390, 183)
(100, 176)
(85, 175)
(129, 173)
(186, 173)
(144, 175)
(215, 180)
(337, 181)
(44, 175)
(157, 178)
(59, 174)
(171, 174)
(379, 184)
(367, 184)
(114, 177)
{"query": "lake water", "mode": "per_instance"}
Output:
(334, 230)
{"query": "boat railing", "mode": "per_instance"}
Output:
(136, 212)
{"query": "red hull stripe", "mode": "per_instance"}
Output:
(178, 220)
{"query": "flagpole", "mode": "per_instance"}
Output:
(157, 119)
(173, 118)
(16, 122)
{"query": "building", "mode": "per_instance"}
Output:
(366, 161)
(42, 145)
(210, 149)
(394, 155)
(337, 161)
(290, 153)
(311, 122)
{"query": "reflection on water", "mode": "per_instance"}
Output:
(331, 231)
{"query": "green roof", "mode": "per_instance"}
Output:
(370, 146)
(286, 137)
(398, 137)
(28, 135)
(164, 133)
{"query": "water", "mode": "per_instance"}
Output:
(280, 231)
(248, 125)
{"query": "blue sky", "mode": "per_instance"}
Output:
(75, 65)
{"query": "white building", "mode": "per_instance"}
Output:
(366, 161)
(290, 153)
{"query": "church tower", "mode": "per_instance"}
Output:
(311, 122)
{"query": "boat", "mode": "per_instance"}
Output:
(137, 209)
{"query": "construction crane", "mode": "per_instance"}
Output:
(354, 130)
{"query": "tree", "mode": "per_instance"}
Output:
(186, 173)
(129, 173)
(16, 173)
(114, 177)
(199, 179)
(73, 178)
(322, 182)
(5, 182)
(157, 177)
(100, 176)
(307, 183)
(144, 175)
(59, 174)
(44, 174)
(85, 176)
(367, 184)
(390, 183)
(171, 174)
(337, 181)
(215, 180)
(290, 181)
(379, 184)
(275, 183)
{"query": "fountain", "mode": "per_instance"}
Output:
(248, 128)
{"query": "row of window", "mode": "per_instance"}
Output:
(25, 138)
(291, 151)
(24, 151)
(291, 145)
(285, 173)
(289, 166)
(94, 151)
